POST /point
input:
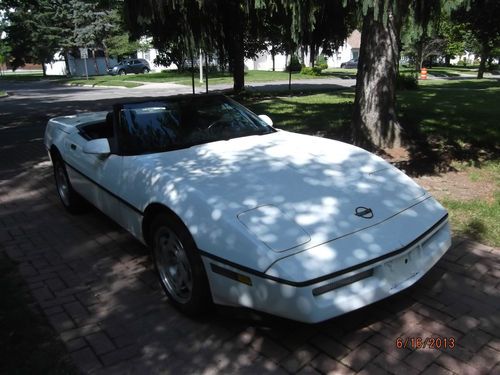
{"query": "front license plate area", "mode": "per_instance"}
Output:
(402, 268)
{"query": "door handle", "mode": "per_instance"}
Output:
(73, 146)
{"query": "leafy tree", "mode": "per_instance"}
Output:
(453, 33)
(330, 24)
(31, 35)
(481, 18)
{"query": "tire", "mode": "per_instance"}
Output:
(122, 72)
(179, 266)
(71, 200)
(342, 66)
(145, 71)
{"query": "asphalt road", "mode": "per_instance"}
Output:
(24, 113)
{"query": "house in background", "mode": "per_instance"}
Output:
(98, 65)
(349, 50)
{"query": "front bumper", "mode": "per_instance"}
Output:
(318, 302)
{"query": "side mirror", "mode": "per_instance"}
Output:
(97, 147)
(266, 119)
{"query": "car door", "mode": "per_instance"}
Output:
(129, 67)
(96, 177)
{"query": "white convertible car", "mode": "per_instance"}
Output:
(239, 213)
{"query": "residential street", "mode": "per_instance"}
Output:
(96, 284)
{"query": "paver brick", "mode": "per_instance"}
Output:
(61, 322)
(86, 360)
(308, 370)
(76, 344)
(119, 355)
(435, 369)
(485, 359)
(298, 358)
(55, 284)
(53, 310)
(100, 343)
(464, 323)
(269, 348)
(330, 346)
(355, 338)
(475, 339)
(394, 365)
(455, 365)
(420, 359)
(358, 358)
(371, 369)
(326, 365)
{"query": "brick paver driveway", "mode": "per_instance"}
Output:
(96, 285)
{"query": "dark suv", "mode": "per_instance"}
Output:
(130, 66)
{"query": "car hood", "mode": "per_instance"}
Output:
(289, 191)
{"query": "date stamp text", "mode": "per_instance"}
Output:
(436, 342)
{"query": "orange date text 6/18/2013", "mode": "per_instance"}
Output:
(437, 342)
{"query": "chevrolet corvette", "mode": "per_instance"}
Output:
(239, 213)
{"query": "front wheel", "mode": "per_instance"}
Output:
(122, 72)
(179, 266)
(145, 71)
(70, 199)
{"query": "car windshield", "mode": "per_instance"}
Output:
(159, 126)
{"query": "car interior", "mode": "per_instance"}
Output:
(98, 130)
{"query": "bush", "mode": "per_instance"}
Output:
(407, 82)
(314, 71)
(321, 62)
(294, 65)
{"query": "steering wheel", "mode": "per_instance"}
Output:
(217, 126)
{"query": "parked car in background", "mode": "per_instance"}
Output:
(130, 66)
(351, 64)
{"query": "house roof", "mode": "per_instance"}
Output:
(354, 40)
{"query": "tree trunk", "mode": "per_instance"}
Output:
(238, 62)
(95, 62)
(273, 57)
(44, 69)
(482, 64)
(312, 55)
(419, 59)
(447, 59)
(375, 123)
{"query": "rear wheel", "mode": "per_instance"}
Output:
(145, 71)
(71, 200)
(179, 266)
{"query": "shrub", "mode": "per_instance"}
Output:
(294, 65)
(321, 62)
(407, 82)
(314, 71)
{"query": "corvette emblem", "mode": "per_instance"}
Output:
(364, 212)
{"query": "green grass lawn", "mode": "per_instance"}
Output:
(21, 76)
(460, 113)
(101, 81)
(215, 78)
(478, 218)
